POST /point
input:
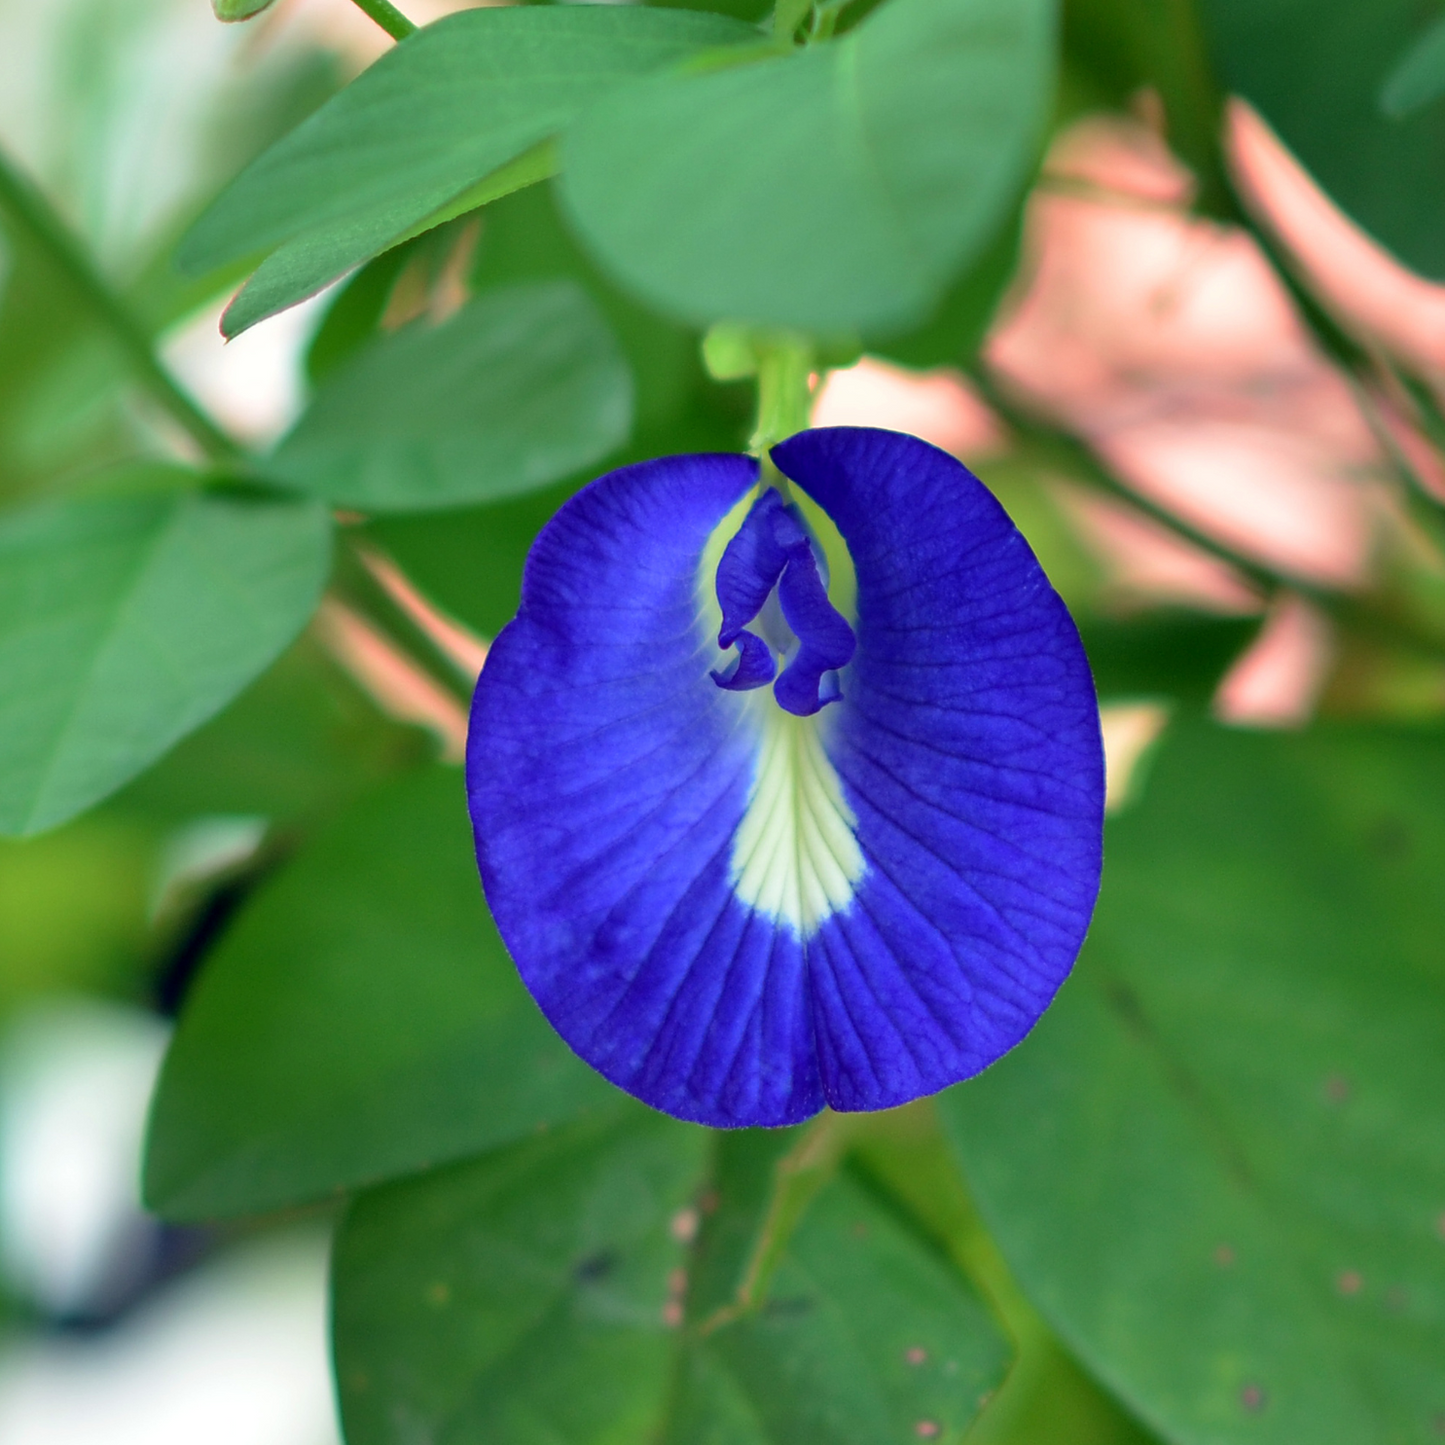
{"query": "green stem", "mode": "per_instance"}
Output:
(388, 17)
(34, 217)
(824, 23)
(1193, 101)
(785, 395)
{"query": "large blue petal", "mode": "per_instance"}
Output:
(968, 744)
(614, 787)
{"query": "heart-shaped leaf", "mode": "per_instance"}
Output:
(839, 188)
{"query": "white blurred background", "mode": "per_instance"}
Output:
(136, 1335)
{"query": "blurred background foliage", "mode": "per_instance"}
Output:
(1175, 295)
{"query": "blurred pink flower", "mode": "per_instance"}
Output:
(1146, 563)
(1278, 678)
(1357, 278)
(1169, 343)
(938, 406)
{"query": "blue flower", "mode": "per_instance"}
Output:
(788, 802)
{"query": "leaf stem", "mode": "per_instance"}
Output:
(33, 215)
(797, 1177)
(387, 16)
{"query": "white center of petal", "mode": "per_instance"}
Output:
(795, 854)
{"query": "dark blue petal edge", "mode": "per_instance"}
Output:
(740, 912)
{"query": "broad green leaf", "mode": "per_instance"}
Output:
(538, 1294)
(524, 239)
(1418, 77)
(521, 387)
(360, 1020)
(353, 317)
(865, 1335)
(126, 622)
(1218, 1165)
(298, 744)
(537, 164)
(961, 320)
(838, 188)
(1047, 1397)
(471, 561)
(289, 273)
(1315, 69)
(519, 1298)
(433, 117)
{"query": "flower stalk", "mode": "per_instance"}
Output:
(786, 365)
(387, 16)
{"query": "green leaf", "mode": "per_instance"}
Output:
(126, 622)
(354, 314)
(521, 387)
(1217, 1165)
(360, 1020)
(1419, 76)
(537, 164)
(838, 188)
(1047, 1398)
(289, 273)
(521, 1297)
(525, 239)
(865, 1335)
(1315, 68)
(538, 1294)
(962, 318)
(433, 117)
(457, 555)
(299, 743)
